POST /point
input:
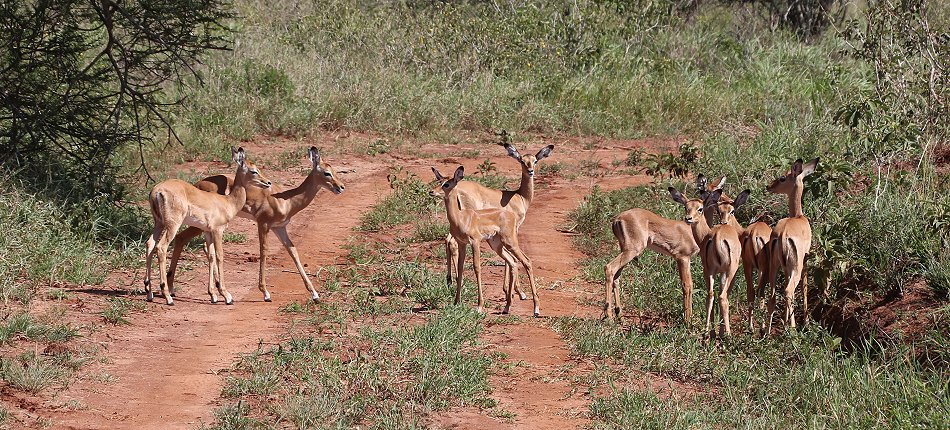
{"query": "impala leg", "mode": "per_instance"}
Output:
(806, 315)
(794, 277)
(710, 283)
(512, 246)
(686, 278)
(460, 264)
(451, 258)
(772, 282)
(499, 249)
(150, 247)
(477, 263)
(727, 280)
(219, 254)
(281, 233)
(212, 262)
(262, 230)
(513, 272)
(162, 254)
(612, 272)
(181, 240)
(749, 292)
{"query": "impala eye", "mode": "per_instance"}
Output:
(700, 210)
(445, 185)
(327, 174)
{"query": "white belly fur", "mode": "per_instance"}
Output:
(191, 220)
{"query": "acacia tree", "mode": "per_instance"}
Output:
(80, 79)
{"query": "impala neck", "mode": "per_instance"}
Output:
(701, 229)
(305, 193)
(238, 195)
(795, 201)
(452, 209)
(526, 190)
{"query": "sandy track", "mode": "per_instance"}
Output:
(162, 370)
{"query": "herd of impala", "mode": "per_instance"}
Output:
(476, 212)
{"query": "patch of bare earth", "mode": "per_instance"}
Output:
(164, 370)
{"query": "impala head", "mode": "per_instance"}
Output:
(727, 208)
(248, 170)
(787, 183)
(324, 172)
(445, 185)
(695, 207)
(528, 163)
(703, 185)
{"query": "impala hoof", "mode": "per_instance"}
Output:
(523, 296)
(315, 297)
(149, 296)
(214, 300)
(229, 302)
(171, 302)
(267, 299)
(505, 311)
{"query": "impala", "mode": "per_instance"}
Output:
(174, 202)
(790, 241)
(754, 239)
(470, 226)
(639, 229)
(473, 195)
(719, 247)
(272, 210)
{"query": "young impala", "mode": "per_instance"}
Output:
(719, 247)
(791, 240)
(175, 202)
(754, 239)
(470, 226)
(639, 229)
(272, 209)
(473, 195)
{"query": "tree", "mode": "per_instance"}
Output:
(80, 79)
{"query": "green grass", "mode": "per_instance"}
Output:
(586, 68)
(49, 246)
(378, 376)
(27, 326)
(799, 381)
(118, 308)
(35, 373)
(409, 200)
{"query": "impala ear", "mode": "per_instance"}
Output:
(722, 183)
(238, 156)
(712, 198)
(810, 167)
(512, 152)
(438, 176)
(701, 184)
(676, 195)
(797, 167)
(742, 198)
(314, 155)
(544, 152)
(459, 174)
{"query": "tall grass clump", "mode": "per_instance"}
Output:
(409, 201)
(46, 245)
